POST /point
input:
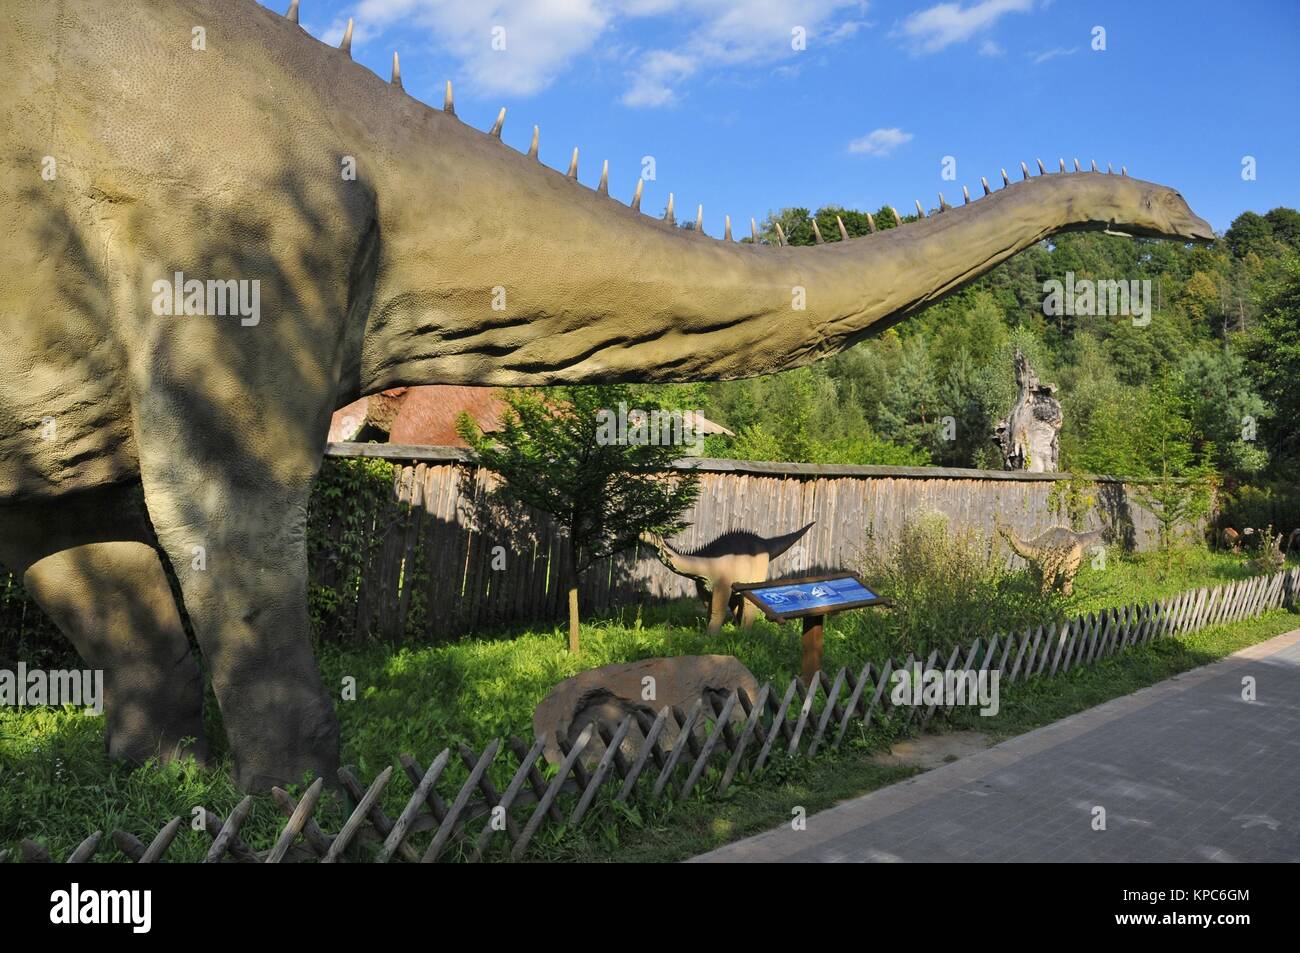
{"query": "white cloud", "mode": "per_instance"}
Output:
(653, 84)
(731, 33)
(543, 39)
(845, 31)
(939, 27)
(540, 38)
(880, 142)
(991, 48)
(1043, 57)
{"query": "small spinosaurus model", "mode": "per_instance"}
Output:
(1054, 555)
(737, 556)
(219, 230)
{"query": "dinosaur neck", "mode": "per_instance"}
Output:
(527, 277)
(468, 262)
(1023, 549)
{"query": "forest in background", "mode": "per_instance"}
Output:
(1207, 389)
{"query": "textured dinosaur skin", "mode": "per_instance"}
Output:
(737, 556)
(1055, 555)
(130, 440)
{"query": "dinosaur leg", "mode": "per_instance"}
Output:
(745, 612)
(719, 606)
(702, 591)
(113, 601)
(241, 557)
(87, 561)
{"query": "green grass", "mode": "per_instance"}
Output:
(703, 823)
(56, 786)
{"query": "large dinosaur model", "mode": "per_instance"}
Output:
(736, 556)
(1030, 435)
(218, 230)
(1054, 555)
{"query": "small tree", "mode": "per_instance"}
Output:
(1181, 483)
(565, 452)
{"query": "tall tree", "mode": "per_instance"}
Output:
(1273, 350)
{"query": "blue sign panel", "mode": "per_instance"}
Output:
(822, 595)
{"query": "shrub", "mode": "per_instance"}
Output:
(947, 587)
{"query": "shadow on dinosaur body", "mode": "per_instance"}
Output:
(132, 441)
(734, 557)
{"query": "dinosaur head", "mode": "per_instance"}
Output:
(1143, 209)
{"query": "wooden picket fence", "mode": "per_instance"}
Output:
(721, 738)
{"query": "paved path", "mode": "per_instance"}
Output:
(1186, 771)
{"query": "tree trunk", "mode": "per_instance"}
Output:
(1029, 436)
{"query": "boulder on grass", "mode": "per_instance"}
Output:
(607, 694)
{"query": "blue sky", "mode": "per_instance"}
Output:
(739, 120)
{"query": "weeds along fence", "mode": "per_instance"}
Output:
(718, 741)
(428, 557)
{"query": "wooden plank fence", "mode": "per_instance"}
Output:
(468, 569)
(723, 738)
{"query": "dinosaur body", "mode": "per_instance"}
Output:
(374, 243)
(1055, 555)
(737, 556)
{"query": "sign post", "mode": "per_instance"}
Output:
(810, 598)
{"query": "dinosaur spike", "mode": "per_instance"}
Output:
(780, 235)
(965, 194)
(817, 232)
(636, 199)
(292, 13)
(501, 121)
(699, 218)
(1077, 167)
(844, 232)
(920, 210)
(985, 182)
(1110, 169)
(603, 188)
(1062, 165)
(448, 101)
(726, 228)
(1006, 179)
(898, 219)
(871, 223)
(397, 71)
(346, 45)
(1041, 170)
(943, 203)
(573, 164)
(753, 230)
(1024, 170)
(669, 217)
(532, 149)
(1094, 166)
